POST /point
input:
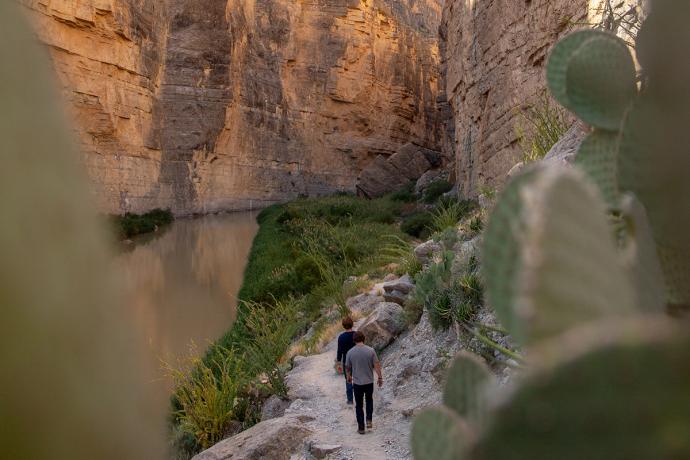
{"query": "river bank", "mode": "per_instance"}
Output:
(309, 257)
(180, 290)
(399, 315)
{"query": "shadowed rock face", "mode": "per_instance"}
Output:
(493, 58)
(201, 105)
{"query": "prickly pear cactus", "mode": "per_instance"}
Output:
(638, 143)
(71, 385)
(464, 392)
(597, 158)
(640, 257)
(622, 395)
(593, 74)
(571, 272)
(502, 251)
(607, 376)
(551, 261)
(439, 434)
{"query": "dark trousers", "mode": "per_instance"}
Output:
(348, 387)
(362, 391)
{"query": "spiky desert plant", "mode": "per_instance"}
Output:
(607, 375)
(636, 145)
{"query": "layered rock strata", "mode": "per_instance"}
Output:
(494, 53)
(202, 105)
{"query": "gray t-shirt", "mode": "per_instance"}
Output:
(360, 361)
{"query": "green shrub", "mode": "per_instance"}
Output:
(449, 212)
(271, 328)
(405, 194)
(418, 224)
(130, 224)
(400, 252)
(208, 398)
(437, 188)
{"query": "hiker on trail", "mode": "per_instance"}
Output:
(345, 343)
(360, 363)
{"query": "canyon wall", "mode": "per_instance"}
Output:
(493, 54)
(205, 105)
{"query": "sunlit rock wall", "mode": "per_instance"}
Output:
(202, 105)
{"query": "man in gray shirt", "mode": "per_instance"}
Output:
(360, 363)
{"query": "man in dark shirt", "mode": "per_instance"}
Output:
(345, 343)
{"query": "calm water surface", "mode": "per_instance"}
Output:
(182, 286)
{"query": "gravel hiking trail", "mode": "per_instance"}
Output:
(319, 393)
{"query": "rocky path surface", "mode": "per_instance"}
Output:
(318, 424)
(318, 392)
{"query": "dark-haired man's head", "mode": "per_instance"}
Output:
(347, 323)
(358, 337)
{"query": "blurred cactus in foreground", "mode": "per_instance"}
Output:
(70, 387)
(581, 265)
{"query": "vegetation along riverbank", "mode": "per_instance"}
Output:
(308, 257)
(130, 224)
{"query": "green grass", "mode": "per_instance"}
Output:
(130, 224)
(449, 213)
(540, 127)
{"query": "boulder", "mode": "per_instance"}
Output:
(403, 284)
(429, 178)
(324, 450)
(385, 175)
(395, 297)
(383, 325)
(274, 407)
(411, 161)
(464, 251)
(364, 303)
(426, 252)
(297, 360)
(275, 439)
(380, 177)
(565, 149)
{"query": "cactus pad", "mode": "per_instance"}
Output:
(624, 399)
(570, 272)
(501, 252)
(600, 81)
(465, 386)
(654, 163)
(640, 257)
(597, 158)
(557, 65)
(439, 434)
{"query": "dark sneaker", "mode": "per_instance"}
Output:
(361, 431)
(369, 424)
(349, 403)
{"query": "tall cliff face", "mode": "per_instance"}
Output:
(493, 56)
(201, 105)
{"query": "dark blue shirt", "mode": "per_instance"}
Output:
(345, 342)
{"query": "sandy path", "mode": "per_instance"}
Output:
(320, 393)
